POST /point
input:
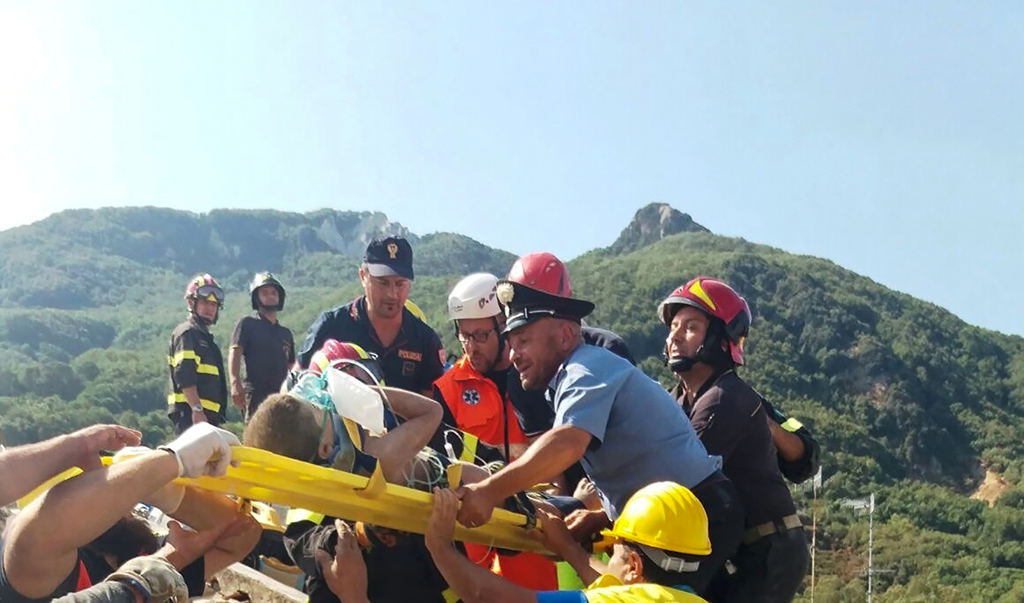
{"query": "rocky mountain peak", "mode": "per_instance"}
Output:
(652, 223)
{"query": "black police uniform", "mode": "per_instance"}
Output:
(195, 360)
(413, 361)
(269, 351)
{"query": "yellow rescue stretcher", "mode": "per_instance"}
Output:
(270, 478)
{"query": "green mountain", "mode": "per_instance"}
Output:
(910, 402)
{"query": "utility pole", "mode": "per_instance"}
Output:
(814, 528)
(871, 543)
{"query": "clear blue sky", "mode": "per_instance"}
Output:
(888, 137)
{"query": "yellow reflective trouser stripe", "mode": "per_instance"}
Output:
(296, 515)
(469, 442)
(450, 596)
(209, 405)
(792, 424)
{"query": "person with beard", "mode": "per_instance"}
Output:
(198, 390)
(79, 531)
(708, 325)
(473, 396)
(409, 351)
(265, 344)
(627, 430)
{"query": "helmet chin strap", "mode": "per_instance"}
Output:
(205, 321)
(705, 354)
(683, 364)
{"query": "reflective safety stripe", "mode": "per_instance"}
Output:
(296, 515)
(183, 356)
(208, 369)
(469, 442)
(792, 425)
(209, 405)
(450, 596)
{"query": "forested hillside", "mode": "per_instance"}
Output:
(909, 401)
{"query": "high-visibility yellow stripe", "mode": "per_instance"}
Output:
(183, 356)
(450, 596)
(296, 515)
(469, 442)
(207, 369)
(209, 405)
(792, 425)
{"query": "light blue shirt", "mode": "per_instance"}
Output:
(641, 436)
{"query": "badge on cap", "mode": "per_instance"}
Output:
(505, 293)
(393, 250)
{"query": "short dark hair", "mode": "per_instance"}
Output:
(285, 425)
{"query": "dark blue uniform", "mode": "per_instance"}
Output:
(269, 352)
(413, 361)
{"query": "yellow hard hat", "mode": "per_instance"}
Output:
(666, 516)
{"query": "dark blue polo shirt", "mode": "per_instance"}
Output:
(413, 361)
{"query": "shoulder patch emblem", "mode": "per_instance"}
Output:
(471, 397)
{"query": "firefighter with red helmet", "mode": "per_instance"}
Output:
(625, 429)
(708, 325)
(198, 389)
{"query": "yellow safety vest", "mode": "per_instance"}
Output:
(608, 589)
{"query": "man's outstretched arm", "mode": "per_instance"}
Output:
(41, 543)
(549, 456)
(25, 468)
(472, 583)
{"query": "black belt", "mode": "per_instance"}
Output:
(776, 526)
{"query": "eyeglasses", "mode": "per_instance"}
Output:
(477, 337)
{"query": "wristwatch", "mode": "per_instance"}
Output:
(197, 408)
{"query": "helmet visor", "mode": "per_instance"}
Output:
(208, 291)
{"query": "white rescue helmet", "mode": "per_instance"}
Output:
(474, 297)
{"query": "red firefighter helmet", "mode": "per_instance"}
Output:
(542, 271)
(537, 287)
(342, 354)
(717, 300)
(204, 286)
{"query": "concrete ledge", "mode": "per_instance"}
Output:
(259, 587)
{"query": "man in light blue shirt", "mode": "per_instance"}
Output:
(627, 431)
(638, 435)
